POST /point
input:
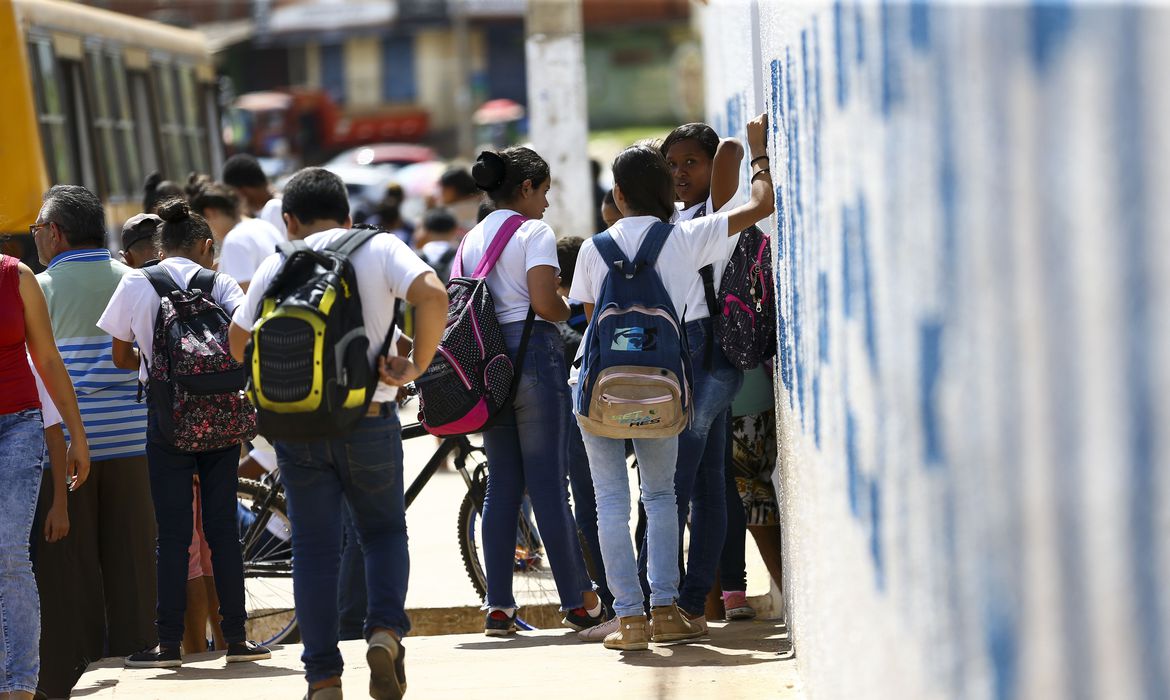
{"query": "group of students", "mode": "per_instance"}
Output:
(355, 480)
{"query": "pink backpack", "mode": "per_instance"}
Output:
(472, 376)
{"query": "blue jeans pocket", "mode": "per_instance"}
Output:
(370, 453)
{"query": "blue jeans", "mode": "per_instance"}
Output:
(22, 450)
(611, 479)
(585, 509)
(699, 476)
(364, 471)
(351, 586)
(171, 472)
(527, 449)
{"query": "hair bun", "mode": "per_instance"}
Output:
(174, 210)
(489, 171)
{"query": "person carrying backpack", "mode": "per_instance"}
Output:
(527, 441)
(641, 255)
(178, 314)
(337, 437)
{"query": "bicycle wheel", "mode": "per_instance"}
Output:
(266, 541)
(532, 579)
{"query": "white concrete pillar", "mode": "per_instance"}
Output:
(557, 115)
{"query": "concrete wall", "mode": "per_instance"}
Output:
(973, 268)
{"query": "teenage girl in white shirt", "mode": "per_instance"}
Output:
(527, 445)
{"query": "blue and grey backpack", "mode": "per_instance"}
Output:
(635, 379)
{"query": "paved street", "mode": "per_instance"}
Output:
(739, 660)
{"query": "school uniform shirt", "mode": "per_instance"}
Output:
(385, 269)
(272, 213)
(133, 308)
(246, 246)
(691, 245)
(697, 296)
(49, 413)
(533, 244)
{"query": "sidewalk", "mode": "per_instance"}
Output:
(738, 660)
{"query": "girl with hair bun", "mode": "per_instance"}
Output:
(186, 251)
(527, 445)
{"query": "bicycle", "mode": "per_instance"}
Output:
(265, 538)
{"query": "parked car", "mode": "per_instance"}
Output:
(381, 154)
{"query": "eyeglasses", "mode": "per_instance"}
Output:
(33, 228)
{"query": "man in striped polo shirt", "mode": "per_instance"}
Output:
(100, 593)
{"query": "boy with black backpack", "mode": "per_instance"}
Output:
(635, 378)
(178, 313)
(314, 332)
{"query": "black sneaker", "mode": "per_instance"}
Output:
(158, 657)
(246, 651)
(386, 658)
(580, 619)
(499, 624)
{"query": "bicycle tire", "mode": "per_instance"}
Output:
(532, 580)
(268, 591)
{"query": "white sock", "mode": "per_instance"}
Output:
(596, 609)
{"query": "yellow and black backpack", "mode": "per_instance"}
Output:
(308, 373)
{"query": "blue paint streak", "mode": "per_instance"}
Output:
(891, 69)
(816, 397)
(839, 52)
(1002, 639)
(852, 468)
(823, 315)
(930, 366)
(847, 259)
(948, 179)
(1142, 317)
(858, 34)
(1052, 22)
(795, 208)
(875, 535)
(804, 70)
(867, 282)
(920, 25)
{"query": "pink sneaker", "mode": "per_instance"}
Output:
(736, 607)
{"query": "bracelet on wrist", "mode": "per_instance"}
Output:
(763, 157)
(761, 171)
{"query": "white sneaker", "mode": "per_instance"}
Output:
(598, 633)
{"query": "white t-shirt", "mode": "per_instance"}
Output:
(271, 212)
(246, 246)
(434, 251)
(533, 244)
(697, 296)
(132, 310)
(691, 245)
(385, 269)
(49, 413)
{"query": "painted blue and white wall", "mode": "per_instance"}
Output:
(973, 267)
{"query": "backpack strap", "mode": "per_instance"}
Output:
(496, 247)
(613, 255)
(287, 248)
(707, 273)
(161, 280)
(204, 281)
(652, 245)
(353, 239)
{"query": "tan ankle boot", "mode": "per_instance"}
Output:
(669, 624)
(630, 634)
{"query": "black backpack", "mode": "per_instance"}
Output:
(309, 376)
(743, 316)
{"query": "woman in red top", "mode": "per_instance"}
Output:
(24, 323)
